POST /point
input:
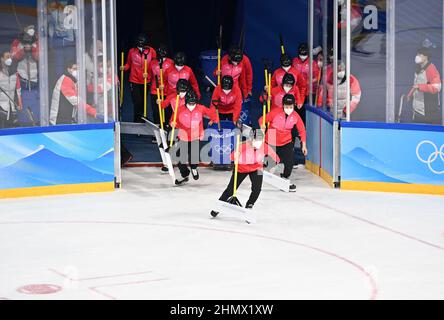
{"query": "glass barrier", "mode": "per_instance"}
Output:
(57, 63)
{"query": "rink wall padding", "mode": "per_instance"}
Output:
(319, 126)
(56, 160)
(392, 157)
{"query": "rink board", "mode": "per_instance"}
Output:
(56, 160)
(383, 157)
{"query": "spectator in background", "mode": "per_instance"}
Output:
(10, 92)
(426, 89)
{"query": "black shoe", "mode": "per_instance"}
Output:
(292, 188)
(164, 169)
(182, 182)
(214, 213)
(154, 140)
(195, 174)
(249, 206)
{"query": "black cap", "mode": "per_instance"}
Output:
(288, 99)
(236, 54)
(227, 82)
(182, 85)
(288, 79)
(180, 59)
(162, 51)
(303, 49)
(285, 60)
(142, 40)
(191, 97)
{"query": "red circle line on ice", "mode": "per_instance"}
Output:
(39, 289)
(372, 283)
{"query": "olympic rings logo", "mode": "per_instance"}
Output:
(225, 149)
(432, 157)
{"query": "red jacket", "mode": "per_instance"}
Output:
(136, 62)
(248, 69)
(237, 72)
(279, 132)
(172, 75)
(278, 93)
(154, 70)
(251, 159)
(190, 123)
(304, 68)
(18, 51)
(301, 81)
(228, 103)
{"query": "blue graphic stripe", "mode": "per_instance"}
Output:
(324, 115)
(392, 126)
(61, 128)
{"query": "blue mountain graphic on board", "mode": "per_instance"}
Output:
(104, 163)
(44, 167)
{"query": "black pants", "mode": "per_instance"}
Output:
(192, 150)
(286, 154)
(429, 118)
(256, 178)
(226, 116)
(137, 94)
(301, 112)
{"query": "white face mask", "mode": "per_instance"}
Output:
(75, 73)
(31, 32)
(226, 91)
(320, 64)
(288, 111)
(179, 68)
(140, 49)
(286, 68)
(287, 88)
(182, 95)
(257, 144)
(191, 107)
(8, 62)
(234, 63)
(303, 58)
(418, 60)
(341, 74)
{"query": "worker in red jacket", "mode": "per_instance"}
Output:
(232, 65)
(189, 122)
(288, 86)
(154, 74)
(65, 99)
(426, 88)
(302, 64)
(250, 164)
(180, 71)
(286, 67)
(279, 134)
(169, 104)
(228, 99)
(136, 63)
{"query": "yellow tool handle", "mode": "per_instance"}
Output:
(264, 114)
(174, 120)
(266, 78)
(236, 165)
(282, 49)
(145, 89)
(218, 65)
(160, 109)
(121, 77)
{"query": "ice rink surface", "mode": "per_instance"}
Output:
(154, 241)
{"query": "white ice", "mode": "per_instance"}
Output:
(154, 241)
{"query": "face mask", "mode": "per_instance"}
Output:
(8, 62)
(303, 58)
(100, 54)
(226, 91)
(257, 144)
(234, 63)
(75, 73)
(179, 68)
(140, 49)
(341, 74)
(288, 111)
(286, 68)
(191, 107)
(31, 32)
(320, 64)
(418, 60)
(182, 95)
(287, 88)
